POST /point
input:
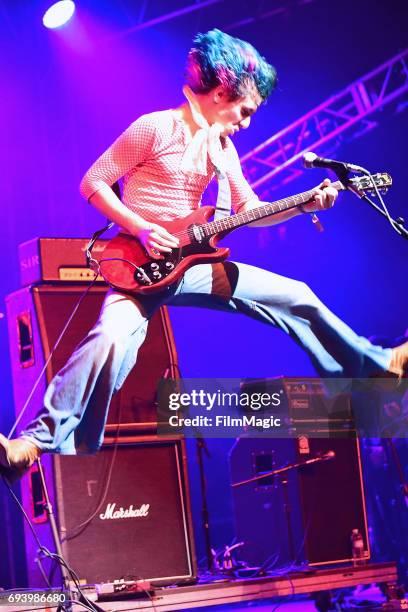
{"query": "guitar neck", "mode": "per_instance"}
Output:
(260, 212)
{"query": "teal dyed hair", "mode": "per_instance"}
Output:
(219, 59)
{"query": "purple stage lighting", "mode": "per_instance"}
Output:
(59, 14)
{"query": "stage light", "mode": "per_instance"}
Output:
(59, 14)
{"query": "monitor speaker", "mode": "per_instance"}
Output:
(307, 514)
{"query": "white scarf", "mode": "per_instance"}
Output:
(205, 142)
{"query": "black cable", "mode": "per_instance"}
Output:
(43, 572)
(269, 563)
(42, 549)
(151, 599)
(131, 591)
(47, 361)
(75, 531)
(292, 594)
(73, 575)
(379, 196)
(78, 603)
(391, 221)
(93, 263)
(46, 552)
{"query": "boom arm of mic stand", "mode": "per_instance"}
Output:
(283, 470)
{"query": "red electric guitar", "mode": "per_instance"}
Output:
(125, 265)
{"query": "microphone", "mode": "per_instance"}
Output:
(311, 160)
(328, 455)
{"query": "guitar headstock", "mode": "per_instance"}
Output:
(364, 184)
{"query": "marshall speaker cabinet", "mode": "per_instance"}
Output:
(121, 513)
(124, 512)
(37, 315)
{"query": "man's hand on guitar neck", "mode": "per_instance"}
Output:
(156, 240)
(324, 197)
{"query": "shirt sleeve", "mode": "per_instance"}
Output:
(134, 146)
(241, 191)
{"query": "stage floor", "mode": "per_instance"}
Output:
(229, 593)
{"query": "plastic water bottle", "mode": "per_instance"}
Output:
(357, 548)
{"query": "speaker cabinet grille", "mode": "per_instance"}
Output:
(122, 513)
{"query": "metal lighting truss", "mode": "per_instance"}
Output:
(151, 13)
(187, 7)
(348, 114)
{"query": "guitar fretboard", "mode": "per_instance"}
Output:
(259, 212)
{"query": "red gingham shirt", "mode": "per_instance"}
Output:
(148, 155)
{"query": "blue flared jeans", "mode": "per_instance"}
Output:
(76, 402)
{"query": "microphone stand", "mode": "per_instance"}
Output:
(201, 448)
(397, 224)
(283, 475)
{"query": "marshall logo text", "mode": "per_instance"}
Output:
(124, 513)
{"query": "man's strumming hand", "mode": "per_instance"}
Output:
(156, 240)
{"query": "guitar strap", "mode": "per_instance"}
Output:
(223, 204)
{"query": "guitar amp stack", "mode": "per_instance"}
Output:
(134, 494)
(116, 498)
